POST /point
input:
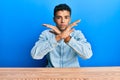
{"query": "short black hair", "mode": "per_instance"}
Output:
(62, 7)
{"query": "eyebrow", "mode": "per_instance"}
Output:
(61, 16)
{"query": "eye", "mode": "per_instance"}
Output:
(57, 17)
(67, 17)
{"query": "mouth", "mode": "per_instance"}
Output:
(62, 27)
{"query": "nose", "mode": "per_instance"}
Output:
(62, 20)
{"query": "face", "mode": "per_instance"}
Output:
(62, 19)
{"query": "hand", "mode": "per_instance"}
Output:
(64, 35)
(73, 24)
(55, 30)
(67, 32)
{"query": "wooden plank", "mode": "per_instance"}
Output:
(91, 73)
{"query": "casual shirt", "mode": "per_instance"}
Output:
(59, 53)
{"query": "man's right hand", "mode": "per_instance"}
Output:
(54, 30)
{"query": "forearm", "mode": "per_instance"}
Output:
(82, 48)
(42, 48)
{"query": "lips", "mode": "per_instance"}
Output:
(62, 25)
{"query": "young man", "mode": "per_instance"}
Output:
(62, 44)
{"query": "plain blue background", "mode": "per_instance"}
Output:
(20, 26)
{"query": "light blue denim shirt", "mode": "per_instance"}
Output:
(61, 54)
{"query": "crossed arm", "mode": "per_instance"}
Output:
(62, 35)
(81, 46)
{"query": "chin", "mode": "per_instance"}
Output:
(63, 29)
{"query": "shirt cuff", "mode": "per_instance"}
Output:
(71, 42)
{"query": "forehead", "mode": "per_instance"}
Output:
(62, 13)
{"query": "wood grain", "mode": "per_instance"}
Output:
(91, 73)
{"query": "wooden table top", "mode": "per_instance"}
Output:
(87, 73)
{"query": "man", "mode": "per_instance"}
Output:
(62, 44)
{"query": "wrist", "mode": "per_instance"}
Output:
(67, 39)
(58, 37)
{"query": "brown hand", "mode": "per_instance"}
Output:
(73, 24)
(55, 30)
(66, 33)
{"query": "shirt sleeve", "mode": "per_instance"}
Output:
(80, 45)
(43, 46)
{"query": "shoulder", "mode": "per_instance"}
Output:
(77, 32)
(45, 32)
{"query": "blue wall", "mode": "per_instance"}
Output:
(20, 26)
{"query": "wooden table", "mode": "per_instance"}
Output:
(91, 73)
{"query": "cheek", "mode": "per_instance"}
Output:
(68, 21)
(57, 21)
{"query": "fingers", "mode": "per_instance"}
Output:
(77, 21)
(74, 23)
(55, 30)
(48, 25)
